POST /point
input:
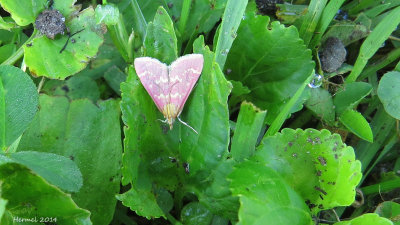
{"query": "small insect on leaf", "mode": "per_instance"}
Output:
(170, 86)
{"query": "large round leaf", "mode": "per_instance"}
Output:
(45, 58)
(18, 103)
(389, 94)
(316, 164)
(265, 196)
(270, 59)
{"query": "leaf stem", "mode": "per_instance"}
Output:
(20, 52)
(40, 84)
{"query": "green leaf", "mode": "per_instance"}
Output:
(248, 127)
(195, 213)
(266, 197)
(29, 196)
(18, 104)
(227, 33)
(143, 202)
(357, 124)
(6, 51)
(347, 31)
(6, 26)
(314, 163)
(44, 56)
(311, 20)
(367, 219)
(374, 41)
(389, 210)
(271, 60)
(90, 136)
(388, 92)
(214, 192)
(57, 170)
(350, 95)
(22, 11)
(160, 41)
(321, 104)
(107, 14)
(114, 77)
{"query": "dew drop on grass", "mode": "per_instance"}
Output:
(225, 52)
(316, 81)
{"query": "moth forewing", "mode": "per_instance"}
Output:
(169, 86)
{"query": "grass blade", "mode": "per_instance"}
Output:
(227, 33)
(374, 41)
(327, 15)
(311, 20)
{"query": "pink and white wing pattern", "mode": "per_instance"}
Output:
(154, 76)
(183, 75)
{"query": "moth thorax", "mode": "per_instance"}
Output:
(170, 112)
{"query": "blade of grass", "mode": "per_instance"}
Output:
(371, 13)
(231, 19)
(374, 41)
(139, 20)
(381, 187)
(311, 20)
(328, 14)
(388, 59)
(283, 115)
(392, 141)
(184, 15)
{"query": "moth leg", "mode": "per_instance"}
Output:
(184, 123)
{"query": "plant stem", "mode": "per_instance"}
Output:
(20, 52)
(41, 84)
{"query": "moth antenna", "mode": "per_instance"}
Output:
(187, 125)
(163, 121)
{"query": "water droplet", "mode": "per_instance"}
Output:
(225, 52)
(316, 81)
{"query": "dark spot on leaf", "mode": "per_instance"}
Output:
(319, 172)
(320, 206)
(294, 155)
(336, 156)
(160, 12)
(170, 5)
(72, 157)
(321, 197)
(73, 41)
(65, 88)
(186, 167)
(322, 160)
(29, 45)
(320, 190)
